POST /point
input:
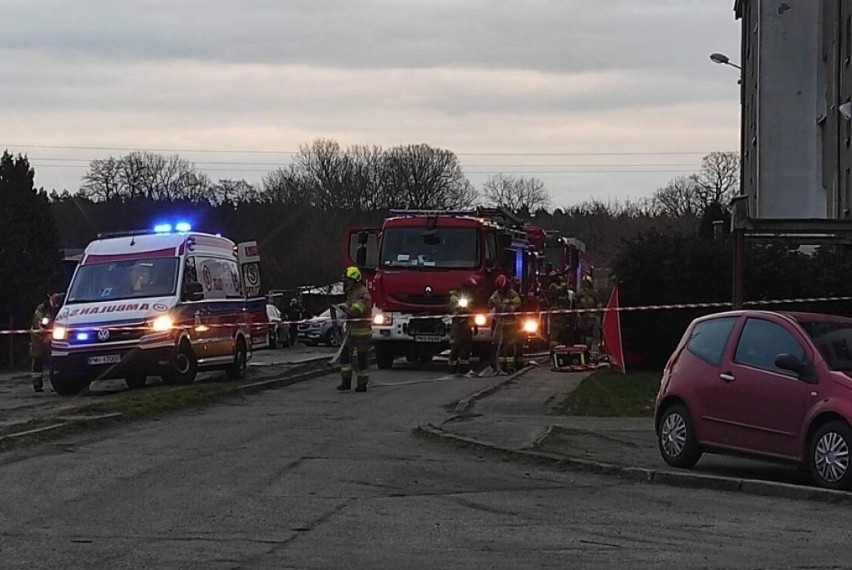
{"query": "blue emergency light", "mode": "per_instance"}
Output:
(82, 336)
(183, 227)
(162, 228)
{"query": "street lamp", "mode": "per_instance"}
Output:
(723, 59)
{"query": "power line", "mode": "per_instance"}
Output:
(291, 152)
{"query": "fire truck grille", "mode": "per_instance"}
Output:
(431, 300)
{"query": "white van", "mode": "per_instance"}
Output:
(156, 303)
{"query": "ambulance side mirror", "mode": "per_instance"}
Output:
(194, 291)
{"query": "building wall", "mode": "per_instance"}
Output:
(783, 98)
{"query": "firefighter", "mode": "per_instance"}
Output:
(295, 313)
(39, 340)
(587, 321)
(561, 298)
(461, 305)
(505, 301)
(358, 308)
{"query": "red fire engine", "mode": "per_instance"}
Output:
(418, 256)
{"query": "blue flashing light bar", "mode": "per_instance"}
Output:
(183, 227)
(82, 336)
(162, 228)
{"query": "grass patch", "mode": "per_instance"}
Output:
(153, 403)
(608, 393)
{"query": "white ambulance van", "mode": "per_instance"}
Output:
(167, 303)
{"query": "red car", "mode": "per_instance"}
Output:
(775, 385)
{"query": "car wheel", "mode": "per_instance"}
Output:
(829, 455)
(66, 385)
(135, 381)
(676, 438)
(334, 338)
(185, 368)
(384, 357)
(237, 370)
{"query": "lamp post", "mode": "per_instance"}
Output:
(739, 205)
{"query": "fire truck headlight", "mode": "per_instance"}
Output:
(59, 333)
(480, 320)
(162, 323)
(530, 326)
(464, 302)
(45, 321)
(381, 319)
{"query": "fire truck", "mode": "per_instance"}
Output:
(417, 257)
(565, 255)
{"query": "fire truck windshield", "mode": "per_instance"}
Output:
(448, 248)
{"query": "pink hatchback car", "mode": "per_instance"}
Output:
(777, 385)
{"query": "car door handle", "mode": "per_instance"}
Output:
(727, 377)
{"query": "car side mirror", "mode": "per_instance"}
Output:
(802, 369)
(194, 291)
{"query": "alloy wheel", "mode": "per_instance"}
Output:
(831, 457)
(673, 434)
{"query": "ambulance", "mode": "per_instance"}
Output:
(168, 302)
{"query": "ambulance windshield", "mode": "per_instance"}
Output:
(124, 279)
(447, 248)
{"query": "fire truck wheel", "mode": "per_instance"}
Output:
(237, 370)
(67, 385)
(384, 357)
(186, 366)
(135, 381)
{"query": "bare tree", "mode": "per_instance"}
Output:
(102, 181)
(286, 185)
(145, 174)
(420, 176)
(325, 169)
(516, 194)
(680, 197)
(228, 191)
(719, 179)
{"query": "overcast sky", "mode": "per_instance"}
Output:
(569, 91)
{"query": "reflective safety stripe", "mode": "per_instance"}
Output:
(362, 374)
(357, 307)
(346, 368)
(361, 333)
(464, 362)
(453, 362)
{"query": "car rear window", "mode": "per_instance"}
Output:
(708, 338)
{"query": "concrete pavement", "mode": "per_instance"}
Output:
(307, 477)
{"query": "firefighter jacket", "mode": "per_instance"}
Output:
(359, 306)
(560, 296)
(42, 318)
(586, 299)
(507, 302)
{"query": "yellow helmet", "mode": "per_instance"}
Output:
(353, 273)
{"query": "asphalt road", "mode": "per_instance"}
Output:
(306, 477)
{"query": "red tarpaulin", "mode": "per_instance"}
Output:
(611, 331)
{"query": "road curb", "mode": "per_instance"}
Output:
(640, 475)
(463, 404)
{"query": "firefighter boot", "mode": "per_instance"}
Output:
(345, 384)
(362, 383)
(38, 383)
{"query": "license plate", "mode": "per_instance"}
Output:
(106, 359)
(428, 338)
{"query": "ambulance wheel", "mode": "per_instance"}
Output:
(185, 368)
(135, 381)
(384, 357)
(67, 385)
(237, 370)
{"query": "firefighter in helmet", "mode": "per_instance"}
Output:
(461, 305)
(560, 298)
(587, 321)
(504, 302)
(359, 308)
(43, 317)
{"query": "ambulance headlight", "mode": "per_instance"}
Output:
(480, 320)
(530, 326)
(59, 333)
(162, 323)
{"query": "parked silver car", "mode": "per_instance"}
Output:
(277, 329)
(323, 329)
